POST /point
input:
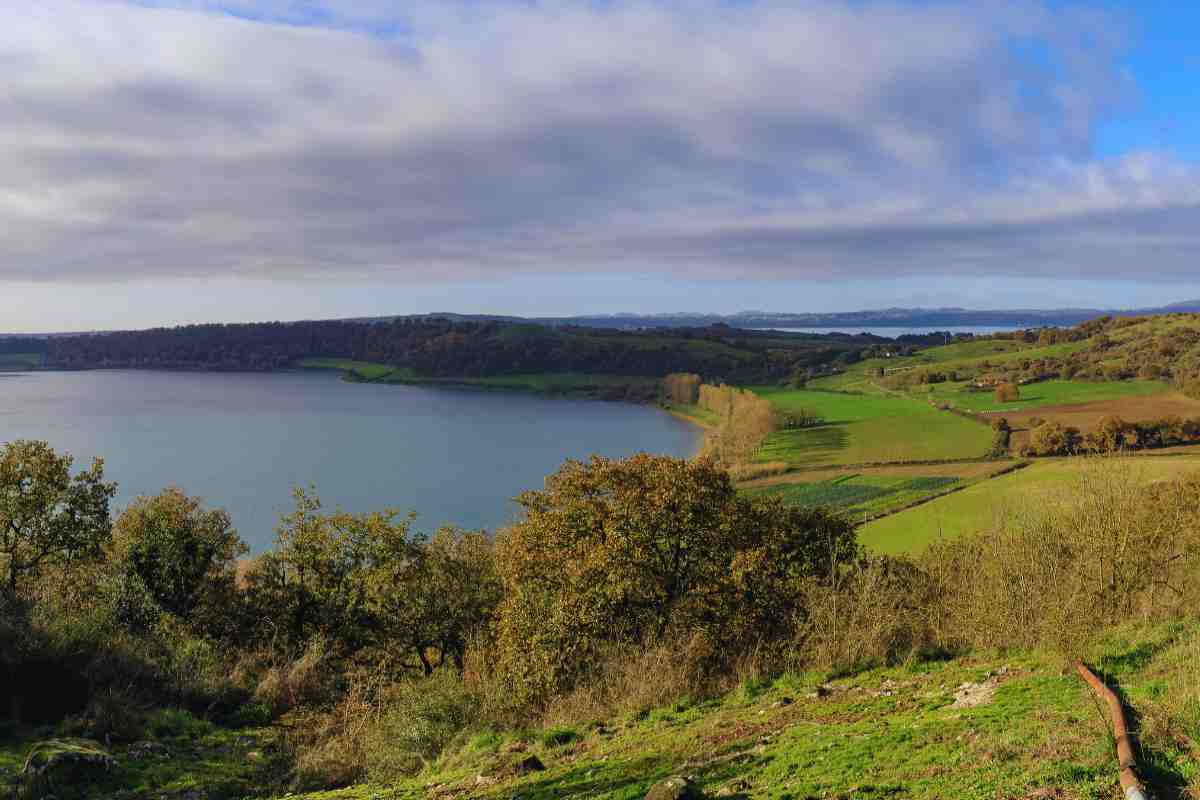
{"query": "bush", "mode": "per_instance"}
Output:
(182, 554)
(1052, 439)
(416, 721)
(1106, 550)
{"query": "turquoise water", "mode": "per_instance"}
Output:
(242, 441)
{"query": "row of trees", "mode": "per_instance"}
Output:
(1112, 434)
(746, 420)
(608, 553)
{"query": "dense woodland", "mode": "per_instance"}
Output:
(435, 347)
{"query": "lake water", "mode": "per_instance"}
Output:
(892, 332)
(242, 441)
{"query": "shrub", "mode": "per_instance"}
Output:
(1001, 437)
(179, 552)
(1052, 439)
(1107, 549)
(416, 721)
(876, 613)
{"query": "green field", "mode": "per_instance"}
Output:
(978, 507)
(1046, 393)
(563, 383)
(858, 496)
(358, 370)
(869, 428)
(20, 361)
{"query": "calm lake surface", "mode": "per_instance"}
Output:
(242, 441)
(892, 332)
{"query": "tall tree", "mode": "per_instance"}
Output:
(46, 515)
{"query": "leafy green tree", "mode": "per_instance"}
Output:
(179, 550)
(313, 583)
(428, 604)
(644, 549)
(48, 517)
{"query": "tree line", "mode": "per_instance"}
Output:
(458, 348)
(625, 585)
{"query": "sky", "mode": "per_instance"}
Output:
(178, 161)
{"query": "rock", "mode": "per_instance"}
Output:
(63, 763)
(676, 788)
(147, 749)
(529, 764)
(970, 695)
(484, 780)
(734, 788)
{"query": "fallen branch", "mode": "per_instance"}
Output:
(1125, 759)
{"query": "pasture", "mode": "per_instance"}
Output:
(20, 361)
(869, 429)
(983, 505)
(1046, 393)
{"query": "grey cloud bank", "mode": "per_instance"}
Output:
(478, 141)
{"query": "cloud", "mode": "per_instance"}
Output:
(462, 141)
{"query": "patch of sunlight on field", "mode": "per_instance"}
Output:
(1047, 393)
(863, 429)
(982, 505)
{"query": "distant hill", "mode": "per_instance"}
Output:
(931, 318)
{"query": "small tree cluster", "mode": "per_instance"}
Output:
(681, 388)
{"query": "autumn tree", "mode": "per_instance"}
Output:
(1052, 439)
(647, 549)
(47, 516)
(1007, 393)
(681, 388)
(1111, 434)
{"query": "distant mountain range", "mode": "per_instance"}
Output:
(930, 318)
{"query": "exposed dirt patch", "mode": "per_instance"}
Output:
(1086, 416)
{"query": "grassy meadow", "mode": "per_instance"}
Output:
(868, 429)
(20, 361)
(1044, 394)
(982, 505)
(550, 383)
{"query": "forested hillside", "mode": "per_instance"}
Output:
(437, 347)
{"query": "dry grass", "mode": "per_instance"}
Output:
(1105, 549)
(755, 472)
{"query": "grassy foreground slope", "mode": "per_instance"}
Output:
(1031, 730)
(869, 428)
(981, 505)
(885, 733)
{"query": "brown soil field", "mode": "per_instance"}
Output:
(1085, 416)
